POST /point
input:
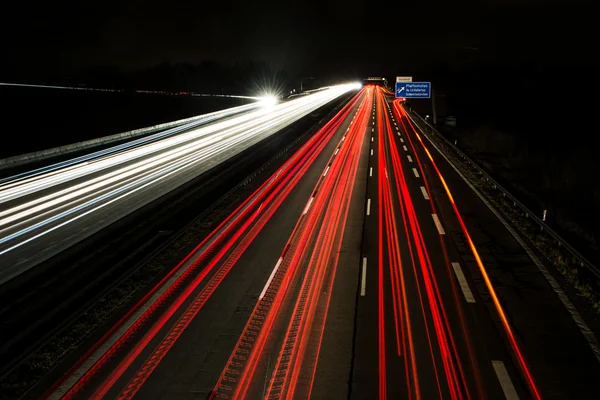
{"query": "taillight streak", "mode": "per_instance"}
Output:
(273, 202)
(411, 372)
(382, 384)
(340, 186)
(475, 370)
(236, 379)
(456, 297)
(307, 152)
(507, 328)
(434, 300)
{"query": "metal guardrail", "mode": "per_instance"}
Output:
(581, 260)
(35, 156)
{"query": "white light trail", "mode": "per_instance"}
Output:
(48, 204)
(204, 119)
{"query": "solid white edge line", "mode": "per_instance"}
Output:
(424, 191)
(308, 205)
(262, 294)
(363, 278)
(368, 206)
(416, 172)
(438, 224)
(336, 151)
(462, 281)
(371, 171)
(326, 169)
(409, 158)
(507, 386)
(585, 330)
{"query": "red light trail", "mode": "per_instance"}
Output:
(424, 348)
(245, 222)
(309, 264)
(446, 364)
(402, 116)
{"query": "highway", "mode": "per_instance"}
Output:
(48, 210)
(450, 306)
(363, 268)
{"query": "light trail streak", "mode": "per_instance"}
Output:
(402, 315)
(261, 321)
(264, 202)
(307, 260)
(184, 143)
(442, 345)
(500, 310)
(475, 370)
(63, 165)
(46, 203)
(328, 241)
(382, 383)
(447, 347)
(273, 202)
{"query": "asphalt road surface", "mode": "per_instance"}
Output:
(428, 323)
(364, 268)
(44, 213)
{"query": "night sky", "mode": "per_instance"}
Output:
(322, 37)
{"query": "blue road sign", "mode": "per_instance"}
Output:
(413, 90)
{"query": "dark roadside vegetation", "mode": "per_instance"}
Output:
(533, 134)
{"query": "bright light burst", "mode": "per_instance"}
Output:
(268, 100)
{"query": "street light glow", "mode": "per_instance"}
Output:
(268, 100)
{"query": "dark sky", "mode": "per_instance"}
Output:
(318, 37)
